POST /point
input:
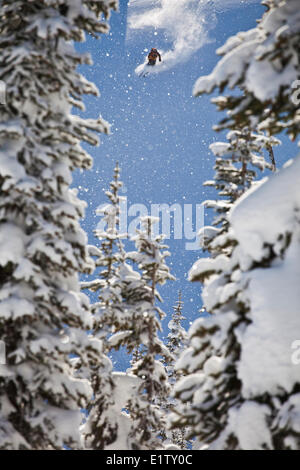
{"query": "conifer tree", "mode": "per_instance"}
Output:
(43, 315)
(177, 336)
(237, 164)
(136, 355)
(264, 65)
(207, 364)
(236, 393)
(148, 420)
(126, 315)
(241, 389)
(101, 429)
(176, 342)
(110, 259)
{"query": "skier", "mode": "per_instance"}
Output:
(152, 56)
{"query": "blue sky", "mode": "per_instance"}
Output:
(160, 133)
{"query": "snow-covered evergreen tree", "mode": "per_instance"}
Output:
(103, 422)
(177, 336)
(110, 258)
(120, 287)
(176, 342)
(241, 389)
(242, 385)
(136, 355)
(148, 419)
(101, 427)
(43, 315)
(264, 63)
(237, 164)
(126, 315)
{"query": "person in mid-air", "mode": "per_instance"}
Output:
(152, 56)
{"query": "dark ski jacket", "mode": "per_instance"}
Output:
(153, 54)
